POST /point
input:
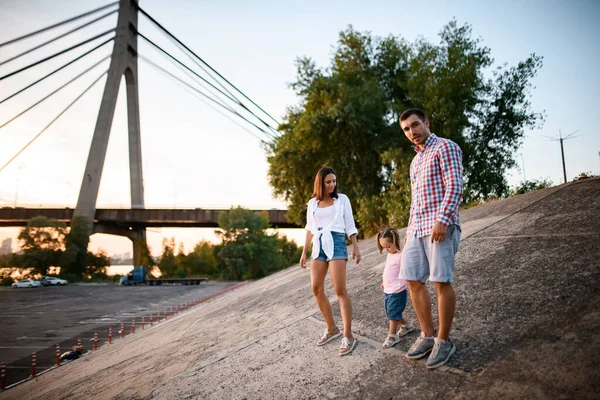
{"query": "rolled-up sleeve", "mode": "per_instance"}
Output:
(308, 226)
(349, 218)
(452, 176)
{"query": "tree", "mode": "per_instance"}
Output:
(531, 185)
(348, 119)
(166, 262)
(247, 251)
(76, 257)
(42, 244)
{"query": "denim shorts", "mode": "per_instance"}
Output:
(340, 249)
(395, 304)
(422, 259)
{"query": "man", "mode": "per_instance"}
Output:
(433, 234)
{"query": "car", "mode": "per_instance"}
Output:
(52, 280)
(27, 283)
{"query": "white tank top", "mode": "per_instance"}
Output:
(324, 216)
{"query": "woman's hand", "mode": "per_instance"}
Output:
(355, 254)
(303, 261)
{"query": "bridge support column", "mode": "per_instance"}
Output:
(137, 235)
(123, 63)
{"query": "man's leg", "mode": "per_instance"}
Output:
(446, 305)
(422, 305)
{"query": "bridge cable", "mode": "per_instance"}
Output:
(54, 92)
(57, 54)
(274, 130)
(195, 93)
(204, 62)
(59, 24)
(199, 76)
(216, 95)
(202, 93)
(56, 70)
(54, 120)
(58, 37)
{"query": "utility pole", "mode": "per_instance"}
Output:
(561, 139)
(523, 161)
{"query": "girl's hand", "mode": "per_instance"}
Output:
(356, 254)
(382, 286)
(303, 261)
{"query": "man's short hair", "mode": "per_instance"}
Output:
(413, 111)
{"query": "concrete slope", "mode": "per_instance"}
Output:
(526, 326)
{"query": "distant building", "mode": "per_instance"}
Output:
(6, 246)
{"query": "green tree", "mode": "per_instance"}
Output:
(201, 260)
(42, 244)
(531, 185)
(97, 263)
(76, 257)
(348, 118)
(166, 262)
(247, 251)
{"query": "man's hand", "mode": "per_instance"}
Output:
(438, 233)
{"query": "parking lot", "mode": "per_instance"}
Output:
(36, 319)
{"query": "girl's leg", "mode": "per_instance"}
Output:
(318, 271)
(338, 277)
(393, 327)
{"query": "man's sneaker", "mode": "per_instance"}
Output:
(327, 337)
(406, 329)
(347, 346)
(420, 348)
(390, 341)
(441, 353)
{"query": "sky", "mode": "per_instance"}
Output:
(194, 157)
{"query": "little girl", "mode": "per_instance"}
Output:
(394, 289)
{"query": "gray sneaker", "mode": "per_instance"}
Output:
(441, 353)
(420, 348)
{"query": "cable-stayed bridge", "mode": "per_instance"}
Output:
(200, 78)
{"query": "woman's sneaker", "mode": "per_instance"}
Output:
(390, 341)
(406, 329)
(327, 337)
(347, 346)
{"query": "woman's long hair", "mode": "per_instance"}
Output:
(320, 183)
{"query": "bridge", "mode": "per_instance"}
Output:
(135, 218)
(206, 83)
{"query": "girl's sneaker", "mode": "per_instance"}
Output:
(391, 340)
(406, 329)
(347, 346)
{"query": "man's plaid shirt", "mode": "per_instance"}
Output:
(436, 180)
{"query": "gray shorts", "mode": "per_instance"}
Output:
(422, 259)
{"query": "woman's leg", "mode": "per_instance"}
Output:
(338, 277)
(318, 272)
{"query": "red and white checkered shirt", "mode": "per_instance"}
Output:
(436, 181)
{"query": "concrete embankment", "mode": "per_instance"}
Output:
(526, 325)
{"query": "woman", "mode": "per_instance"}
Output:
(329, 214)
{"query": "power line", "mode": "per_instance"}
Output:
(58, 37)
(57, 54)
(53, 121)
(204, 62)
(56, 70)
(53, 93)
(204, 94)
(58, 24)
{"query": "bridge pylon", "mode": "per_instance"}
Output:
(123, 63)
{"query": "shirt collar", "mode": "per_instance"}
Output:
(428, 142)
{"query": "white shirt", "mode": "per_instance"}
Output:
(324, 215)
(342, 221)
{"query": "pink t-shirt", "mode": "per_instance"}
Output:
(391, 282)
